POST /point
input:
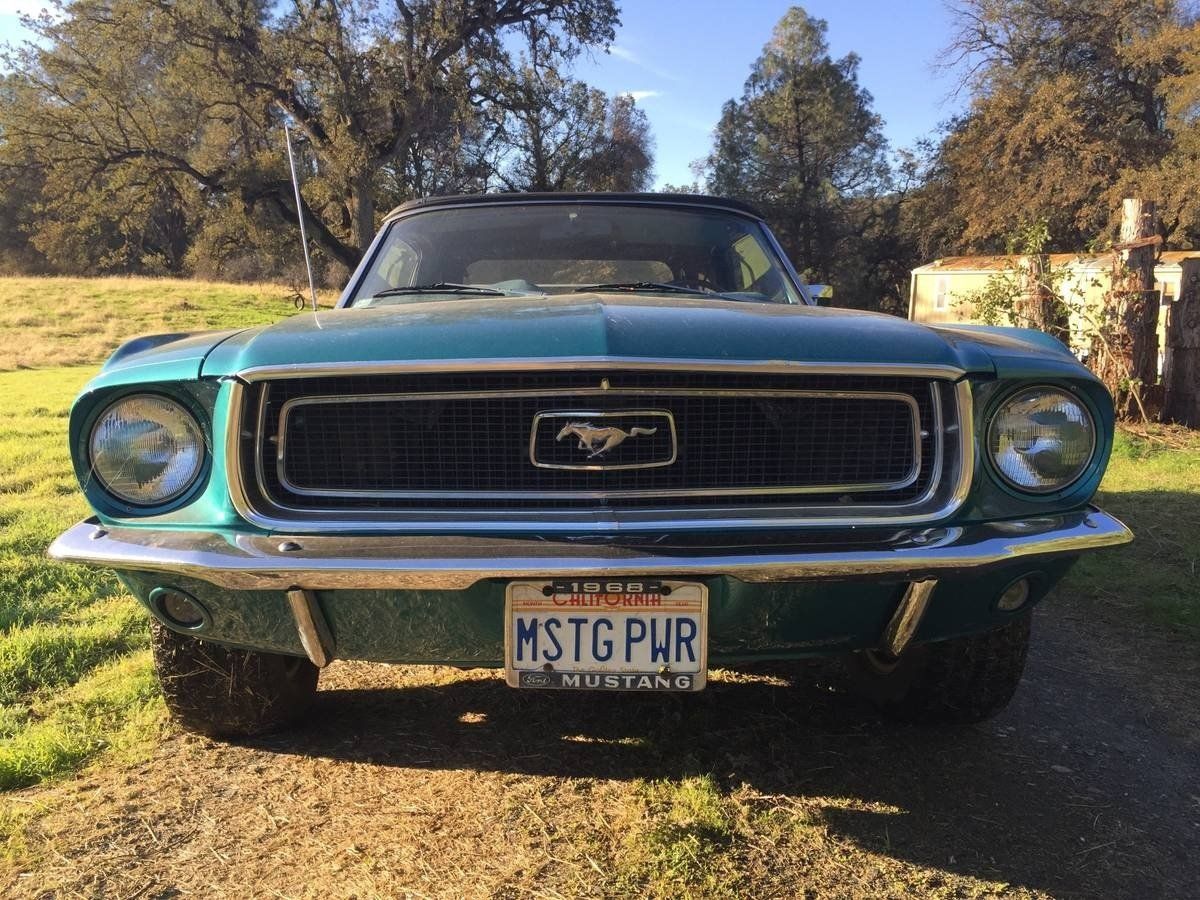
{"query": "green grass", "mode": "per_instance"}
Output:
(1153, 485)
(74, 673)
(75, 321)
(115, 706)
(680, 845)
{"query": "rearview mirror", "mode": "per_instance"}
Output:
(576, 226)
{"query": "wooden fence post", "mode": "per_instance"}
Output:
(1125, 351)
(1181, 401)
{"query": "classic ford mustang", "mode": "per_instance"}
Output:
(597, 441)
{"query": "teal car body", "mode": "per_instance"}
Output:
(418, 586)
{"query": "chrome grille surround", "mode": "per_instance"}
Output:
(949, 467)
(280, 427)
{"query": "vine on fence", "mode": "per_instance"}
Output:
(1030, 291)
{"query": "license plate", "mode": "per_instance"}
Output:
(616, 634)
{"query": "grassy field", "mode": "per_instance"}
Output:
(75, 674)
(72, 321)
(1152, 484)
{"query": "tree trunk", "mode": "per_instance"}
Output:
(362, 208)
(1039, 308)
(1182, 388)
(1125, 349)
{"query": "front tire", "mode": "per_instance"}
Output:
(957, 681)
(225, 692)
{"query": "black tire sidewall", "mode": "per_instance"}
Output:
(229, 692)
(956, 681)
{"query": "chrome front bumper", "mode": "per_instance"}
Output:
(281, 562)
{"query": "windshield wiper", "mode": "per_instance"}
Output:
(441, 287)
(634, 286)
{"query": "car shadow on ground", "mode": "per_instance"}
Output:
(1025, 799)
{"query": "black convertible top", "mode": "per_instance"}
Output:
(657, 199)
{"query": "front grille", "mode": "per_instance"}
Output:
(404, 443)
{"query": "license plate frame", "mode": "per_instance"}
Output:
(669, 603)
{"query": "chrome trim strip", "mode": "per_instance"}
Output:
(260, 429)
(797, 282)
(907, 618)
(964, 423)
(364, 266)
(607, 522)
(241, 561)
(598, 414)
(616, 363)
(581, 392)
(939, 448)
(910, 477)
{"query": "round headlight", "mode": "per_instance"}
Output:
(146, 449)
(1041, 439)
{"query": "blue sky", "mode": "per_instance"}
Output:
(695, 55)
(683, 59)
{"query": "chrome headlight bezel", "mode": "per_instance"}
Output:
(1086, 460)
(171, 411)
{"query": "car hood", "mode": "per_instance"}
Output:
(600, 326)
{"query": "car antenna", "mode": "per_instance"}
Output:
(312, 285)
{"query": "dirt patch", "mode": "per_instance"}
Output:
(437, 783)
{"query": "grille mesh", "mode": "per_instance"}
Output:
(738, 445)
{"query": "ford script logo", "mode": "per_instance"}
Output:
(603, 439)
(535, 679)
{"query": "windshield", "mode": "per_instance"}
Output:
(523, 249)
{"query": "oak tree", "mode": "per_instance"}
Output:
(1069, 109)
(141, 109)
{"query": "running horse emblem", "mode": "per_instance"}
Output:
(598, 441)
